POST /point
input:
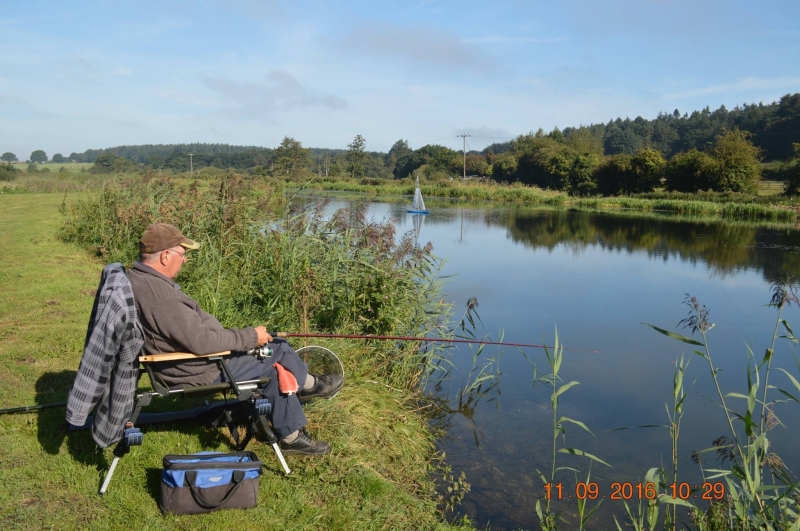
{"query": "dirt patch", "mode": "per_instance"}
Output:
(27, 502)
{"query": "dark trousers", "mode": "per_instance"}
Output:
(287, 412)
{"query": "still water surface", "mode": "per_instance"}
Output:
(597, 277)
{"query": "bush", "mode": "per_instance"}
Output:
(738, 167)
(8, 172)
(689, 172)
(110, 163)
(791, 173)
(630, 174)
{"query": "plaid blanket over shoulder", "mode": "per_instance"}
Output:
(108, 372)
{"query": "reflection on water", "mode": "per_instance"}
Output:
(723, 248)
(419, 222)
(597, 277)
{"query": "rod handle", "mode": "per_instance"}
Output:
(281, 335)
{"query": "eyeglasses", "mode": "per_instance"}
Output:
(181, 254)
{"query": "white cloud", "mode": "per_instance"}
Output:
(281, 91)
(418, 47)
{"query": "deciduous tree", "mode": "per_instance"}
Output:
(8, 157)
(38, 156)
(291, 157)
(399, 150)
(110, 163)
(355, 156)
(738, 162)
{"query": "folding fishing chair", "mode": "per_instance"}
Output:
(246, 405)
(102, 358)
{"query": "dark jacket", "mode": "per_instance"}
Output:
(109, 367)
(174, 322)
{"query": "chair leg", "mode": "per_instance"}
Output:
(280, 458)
(131, 437)
(233, 429)
(110, 473)
(273, 440)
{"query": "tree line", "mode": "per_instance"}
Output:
(706, 150)
(774, 128)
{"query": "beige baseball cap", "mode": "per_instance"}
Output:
(160, 236)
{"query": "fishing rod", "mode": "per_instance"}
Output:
(284, 335)
(32, 408)
(431, 339)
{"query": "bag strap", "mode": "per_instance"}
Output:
(191, 478)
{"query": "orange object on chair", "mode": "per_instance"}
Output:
(287, 383)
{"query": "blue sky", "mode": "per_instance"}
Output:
(94, 74)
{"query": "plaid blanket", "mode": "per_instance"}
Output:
(109, 368)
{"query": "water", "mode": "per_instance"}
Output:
(597, 277)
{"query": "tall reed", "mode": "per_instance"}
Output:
(547, 518)
(752, 501)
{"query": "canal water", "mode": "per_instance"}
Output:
(596, 277)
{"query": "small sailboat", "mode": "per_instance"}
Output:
(418, 206)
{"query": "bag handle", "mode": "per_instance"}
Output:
(191, 478)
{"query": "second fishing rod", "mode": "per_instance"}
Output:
(284, 335)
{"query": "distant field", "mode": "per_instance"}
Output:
(56, 166)
(770, 187)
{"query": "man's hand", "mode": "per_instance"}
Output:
(263, 336)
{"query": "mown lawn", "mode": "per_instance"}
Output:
(376, 478)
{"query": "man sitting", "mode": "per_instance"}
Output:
(174, 322)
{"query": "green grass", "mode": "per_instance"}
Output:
(770, 187)
(56, 166)
(378, 476)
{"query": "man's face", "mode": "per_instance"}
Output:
(173, 260)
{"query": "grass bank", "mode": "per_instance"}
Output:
(378, 476)
(729, 207)
(766, 206)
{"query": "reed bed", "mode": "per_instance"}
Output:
(304, 272)
(732, 211)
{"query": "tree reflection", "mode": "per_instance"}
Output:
(724, 247)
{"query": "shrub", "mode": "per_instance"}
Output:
(791, 172)
(8, 172)
(689, 172)
(738, 167)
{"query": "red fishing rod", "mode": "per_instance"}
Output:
(409, 338)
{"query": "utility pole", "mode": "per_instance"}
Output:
(191, 167)
(464, 137)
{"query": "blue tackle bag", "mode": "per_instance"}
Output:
(209, 481)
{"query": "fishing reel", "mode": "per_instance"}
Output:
(261, 352)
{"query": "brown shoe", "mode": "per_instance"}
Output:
(305, 445)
